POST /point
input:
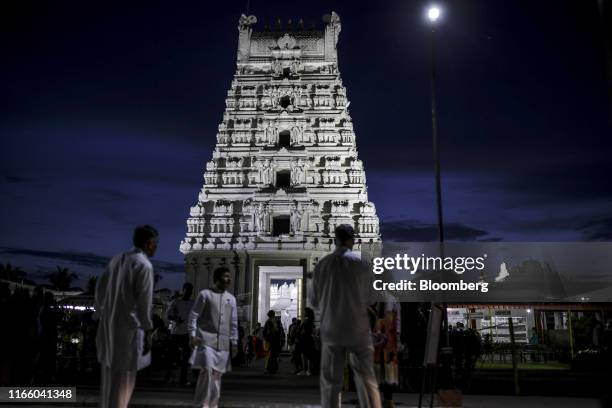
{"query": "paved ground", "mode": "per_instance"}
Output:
(251, 388)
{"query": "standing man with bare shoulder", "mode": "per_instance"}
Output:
(123, 302)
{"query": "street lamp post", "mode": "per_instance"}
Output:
(438, 319)
(433, 14)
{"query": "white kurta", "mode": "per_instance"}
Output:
(214, 322)
(123, 302)
(342, 291)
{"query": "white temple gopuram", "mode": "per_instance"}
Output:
(283, 174)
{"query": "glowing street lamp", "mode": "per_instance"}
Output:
(433, 13)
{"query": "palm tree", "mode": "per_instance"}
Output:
(156, 278)
(62, 278)
(7, 272)
(92, 281)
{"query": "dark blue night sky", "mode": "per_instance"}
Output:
(109, 113)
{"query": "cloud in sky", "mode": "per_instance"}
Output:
(89, 192)
(485, 206)
(409, 231)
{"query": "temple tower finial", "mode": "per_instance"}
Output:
(245, 29)
(332, 32)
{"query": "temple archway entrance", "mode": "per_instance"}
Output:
(280, 289)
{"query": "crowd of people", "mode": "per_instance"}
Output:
(301, 342)
(202, 338)
(304, 344)
(32, 341)
(340, 291)
(40, 332)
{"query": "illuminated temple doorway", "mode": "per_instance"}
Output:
(280, 289)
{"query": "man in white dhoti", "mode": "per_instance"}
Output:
(213, 326)
(341, 288)
(123, 301)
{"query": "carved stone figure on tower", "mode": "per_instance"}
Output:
(296, 218)
(273, 134)
(297, 172)
(264, 172)
(271, 171)
(305, 165)
(258, 218)
(261, 171)
(266, 133)
(247, 206)
(295, 66)
(297, 134)
(272, 93)
(277, 68)
(294, 172)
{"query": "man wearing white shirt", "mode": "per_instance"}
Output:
(123, 304)
(341, 291)
(213, 329)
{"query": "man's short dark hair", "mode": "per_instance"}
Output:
(188, 286)
(343, 233)
(143, 234)
(218, 273)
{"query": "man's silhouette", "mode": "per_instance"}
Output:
(341, 288)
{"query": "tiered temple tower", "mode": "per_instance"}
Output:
(285, 169)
